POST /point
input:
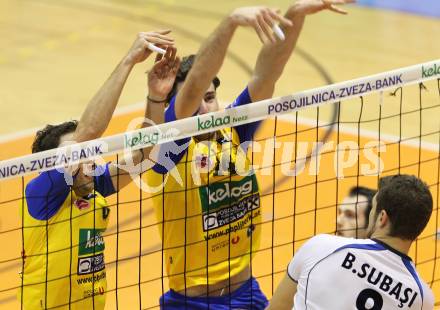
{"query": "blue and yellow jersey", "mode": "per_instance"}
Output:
(63, 243)
(210, 213)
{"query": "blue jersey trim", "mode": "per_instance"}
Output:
(245, 132)
(404, 256)
(411, 270)
(46, 194)
(103, 181)
(362, 246)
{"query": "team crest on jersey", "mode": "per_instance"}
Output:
(203, 161)
(81, 204)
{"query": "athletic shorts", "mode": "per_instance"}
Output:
(248, 296)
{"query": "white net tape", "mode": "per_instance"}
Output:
(167, 132)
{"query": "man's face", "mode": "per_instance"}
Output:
(351, 221)
(209, 102)
(83, 183)
(372, 219)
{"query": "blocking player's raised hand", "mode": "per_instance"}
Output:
(160, 82)
(262, 19)
(307, 7)
(161, 77)
(141, 48)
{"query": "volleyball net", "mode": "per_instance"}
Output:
(311, 148)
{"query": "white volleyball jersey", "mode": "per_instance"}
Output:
(337, 273)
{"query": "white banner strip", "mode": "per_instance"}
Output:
(210, 122)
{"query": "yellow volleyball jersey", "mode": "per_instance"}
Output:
(211, 218)
(64, 256)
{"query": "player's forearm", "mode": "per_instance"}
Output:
(273, 58)
(283, 295)
(154, 115)
(206, 66)
(140, 159)
(99, 111)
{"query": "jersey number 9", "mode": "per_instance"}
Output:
(369, 299)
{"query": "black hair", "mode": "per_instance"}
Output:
(185, 66)
(49, 137)
(407, 202)
(367, 192)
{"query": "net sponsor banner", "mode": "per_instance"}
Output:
(168, 132)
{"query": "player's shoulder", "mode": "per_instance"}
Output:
(327, 241)
(322, 245)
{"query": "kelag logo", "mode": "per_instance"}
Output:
(219, 121)
(221, 194)
(431, 71)
(141, 139)
(213, 122)
(90, 241)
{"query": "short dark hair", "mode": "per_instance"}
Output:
(49, 137)
(367, 192)
(185, 66)
(407, 202)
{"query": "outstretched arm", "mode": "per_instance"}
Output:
(160, 81)
(273, 57)
(99, 111)
(210, 57)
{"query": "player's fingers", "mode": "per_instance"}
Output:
(259, 31)
(176, 65)
(337, 10)
(268, 18)
(173, 55)
(160, 33)
(167, 54)
(164, 31)
(330, 2)
(281, 19)
(163, 68)
(267, 29)
(158, 57)
(157, 67)
(157, 41)
(145, 46)
(150, 47)
(160, 36)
